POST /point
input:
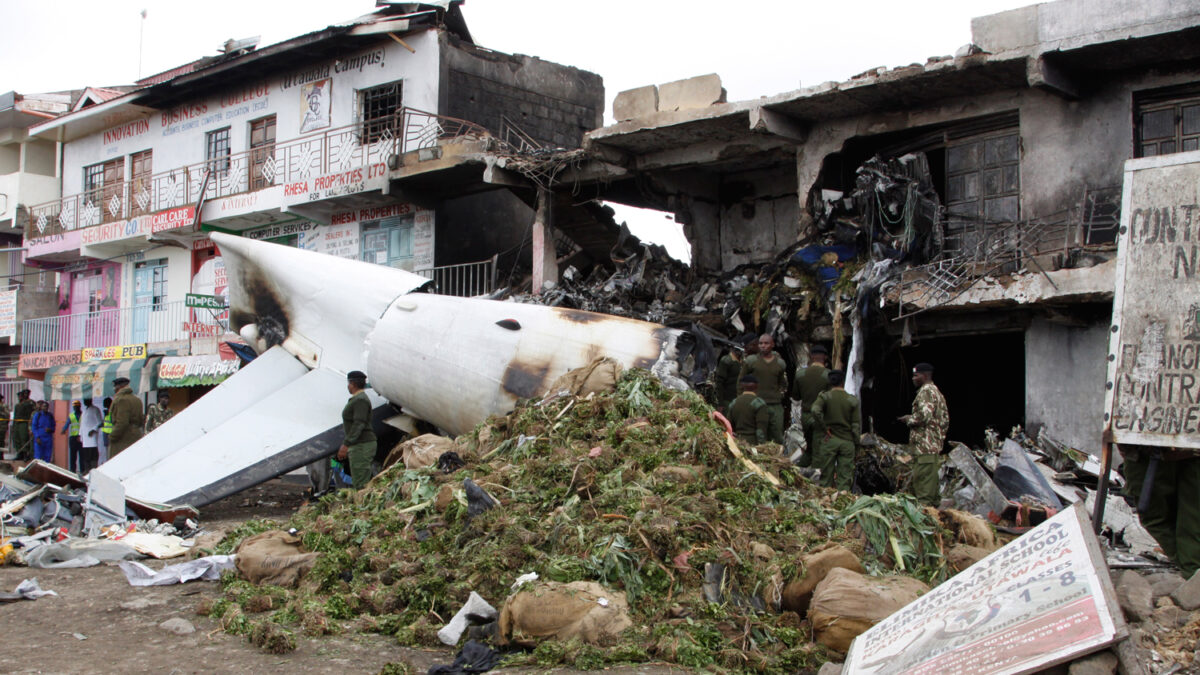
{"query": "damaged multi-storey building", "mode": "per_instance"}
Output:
(982, 190)
(362, 140)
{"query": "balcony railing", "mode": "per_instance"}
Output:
(465, 280)
(161, 322)
(343, 149)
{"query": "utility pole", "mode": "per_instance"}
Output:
(141, 40)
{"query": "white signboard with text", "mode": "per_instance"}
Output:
(1042, 599)
(1153, 387)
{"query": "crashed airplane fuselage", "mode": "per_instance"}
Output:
(312, 318)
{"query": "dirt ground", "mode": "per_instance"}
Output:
(101, 624)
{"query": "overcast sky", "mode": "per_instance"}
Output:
(758, 48)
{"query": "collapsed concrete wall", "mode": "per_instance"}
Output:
(1064, 380)
(552, 103)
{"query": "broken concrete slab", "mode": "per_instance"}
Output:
(1187, 595)
(1164, 583)
(830, 668)
(1128, 659)
(633, 104)
(690, 94)
(1100, 663)
(1136, 596)
(178, 626)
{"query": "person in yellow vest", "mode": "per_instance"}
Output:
(128, 418)
(74, 444)
(105, 430)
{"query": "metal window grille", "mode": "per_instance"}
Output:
(378, 107)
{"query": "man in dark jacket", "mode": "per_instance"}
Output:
(128, 418)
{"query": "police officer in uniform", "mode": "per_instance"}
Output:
(809, 384)
(838, 419)
(22, 417)
(748, 413)
(127, 418)
(359, 444)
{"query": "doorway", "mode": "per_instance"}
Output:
(981, 376)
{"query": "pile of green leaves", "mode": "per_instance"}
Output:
(634, 489)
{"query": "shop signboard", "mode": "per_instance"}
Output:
(189, 371)
(114, 352)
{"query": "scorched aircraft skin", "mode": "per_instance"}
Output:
(313, 317)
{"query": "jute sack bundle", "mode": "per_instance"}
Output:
(420, 452)
(845, 604)
(598, 377)
(816, 566)
(551, 610)
(274, 558)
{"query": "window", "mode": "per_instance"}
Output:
(216, 150)
(983, 178)
(150, 284)
(141, 167)
(103, 190)
(1167, 121)
(388, 241)
(377, 107)
(262, 153)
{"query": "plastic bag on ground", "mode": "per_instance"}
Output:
(206, 569)
(29, 589)
(78, 553)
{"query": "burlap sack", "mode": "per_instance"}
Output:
(551, 610)
(847, 603)
(420, 452)
(963, 556)
(599, 376)
(816, 565)
(274, 558)
(969, 529)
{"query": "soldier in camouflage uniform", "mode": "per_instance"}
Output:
(927, 434)
(159, 413)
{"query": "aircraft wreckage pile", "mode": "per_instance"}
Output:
(649, 541)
